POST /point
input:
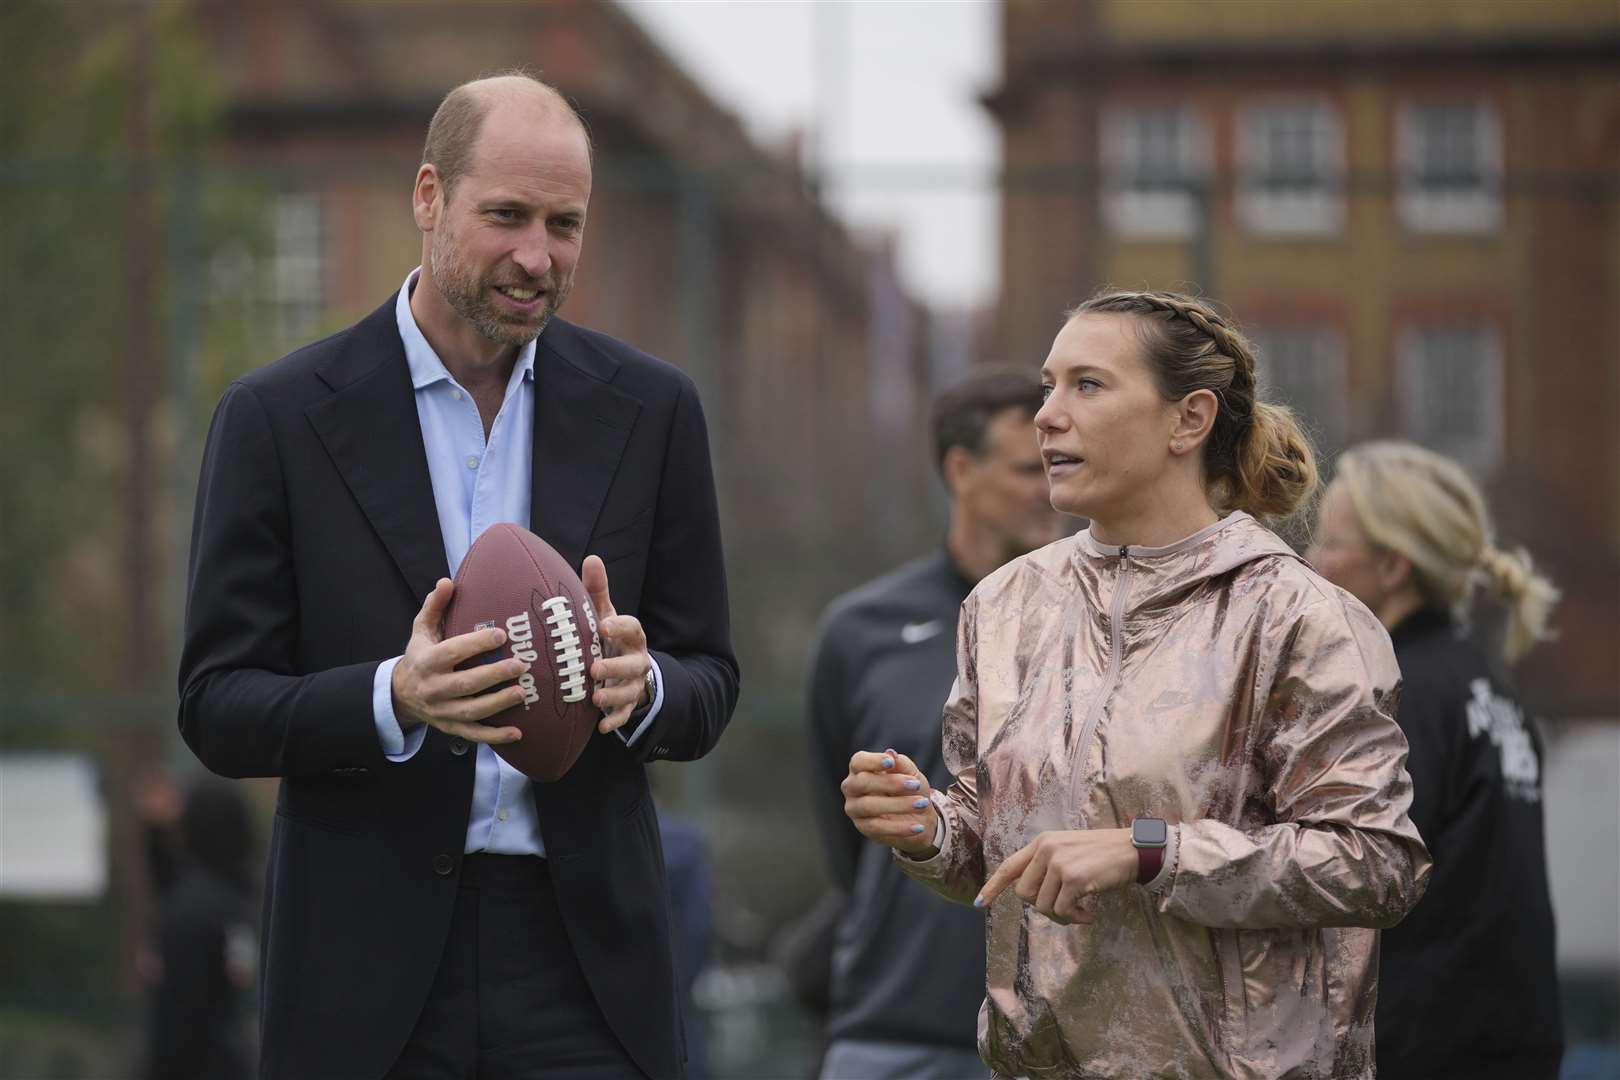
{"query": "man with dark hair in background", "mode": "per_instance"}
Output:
(908, 967)
(431, 913)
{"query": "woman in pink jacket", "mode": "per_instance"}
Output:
(1180, 794)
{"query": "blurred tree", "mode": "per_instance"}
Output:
(64, 165)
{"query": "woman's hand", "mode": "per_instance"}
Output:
(1058, 870)
(886, 796)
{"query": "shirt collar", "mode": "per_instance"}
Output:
(426, 367)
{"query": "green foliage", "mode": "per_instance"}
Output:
(66, 174)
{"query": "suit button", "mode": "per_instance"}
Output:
(443, 864)
(458, 745)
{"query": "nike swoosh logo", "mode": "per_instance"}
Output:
(913, 632)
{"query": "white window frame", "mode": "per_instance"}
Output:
(1414, 344)
(1423, 208)
(1328, 414)
(297, 263)
(1133, 208)
(1316, 209)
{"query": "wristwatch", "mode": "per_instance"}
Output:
(649, 691)
(1150, 836)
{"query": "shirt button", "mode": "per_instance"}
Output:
(500, 815)
(458, 745)
(472, 462)
(455, 395)
(443, 864)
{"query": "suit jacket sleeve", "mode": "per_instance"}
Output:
(245, 708)
(684, 608)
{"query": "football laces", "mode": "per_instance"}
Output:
(566, 648)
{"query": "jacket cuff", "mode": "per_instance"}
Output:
(1167, 869)
(933, 867)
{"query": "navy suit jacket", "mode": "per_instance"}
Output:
(314, 543)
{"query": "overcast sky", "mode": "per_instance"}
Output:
(887, 92)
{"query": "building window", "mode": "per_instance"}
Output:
(1449, 379)
(1450, 161)
(1303, 366)
(1155, 161)
(297, 270)
(1291, 167)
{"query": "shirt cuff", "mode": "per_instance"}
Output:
(396, 744)
(652, 711)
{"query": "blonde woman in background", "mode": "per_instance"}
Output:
(1178, 787)
(1468, 986)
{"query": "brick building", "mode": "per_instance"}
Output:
(702, 248)
(1412, 207)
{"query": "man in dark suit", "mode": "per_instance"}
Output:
(430, 912)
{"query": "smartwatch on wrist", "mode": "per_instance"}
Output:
(1150, 836)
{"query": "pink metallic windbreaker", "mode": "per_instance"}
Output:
(1221, 685)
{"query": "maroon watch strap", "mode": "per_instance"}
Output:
(1149, 861)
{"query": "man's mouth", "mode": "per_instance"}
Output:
(513, 292)
(1056, 459)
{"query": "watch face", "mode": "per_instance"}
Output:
(1149, 832)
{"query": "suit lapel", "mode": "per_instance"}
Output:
(581, 426)
(370, 428)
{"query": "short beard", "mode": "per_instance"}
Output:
(466, 297)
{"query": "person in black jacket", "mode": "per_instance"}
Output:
(1468, 986)
(204, 963)
(908, 967)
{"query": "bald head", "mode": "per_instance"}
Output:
(453, 132)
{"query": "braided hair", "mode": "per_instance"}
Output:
(1257, 458)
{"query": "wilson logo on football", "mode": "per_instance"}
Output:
(521, 636)
(566, 647)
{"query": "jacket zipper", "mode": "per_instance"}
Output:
(1110, 679)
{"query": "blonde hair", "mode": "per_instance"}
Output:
(1257, 458)
(1424, 507)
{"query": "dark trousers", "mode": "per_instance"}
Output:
(510, 1001)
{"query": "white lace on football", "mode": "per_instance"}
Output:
(566, 646)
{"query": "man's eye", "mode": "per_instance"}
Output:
(1046, 391)
(1089, 385)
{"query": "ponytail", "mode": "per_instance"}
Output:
(1530, 598)
(1274, 474)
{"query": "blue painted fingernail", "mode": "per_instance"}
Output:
(916, 828)
(913, 784)
(888, 763)
(919, 804)
(978, 901)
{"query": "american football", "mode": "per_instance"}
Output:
(514, 580)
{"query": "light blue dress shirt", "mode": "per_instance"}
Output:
(476, 484)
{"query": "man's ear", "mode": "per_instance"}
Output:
(958, 468)
(1194, 419)
(426, 198)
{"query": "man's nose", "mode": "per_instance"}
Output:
(533, 254)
